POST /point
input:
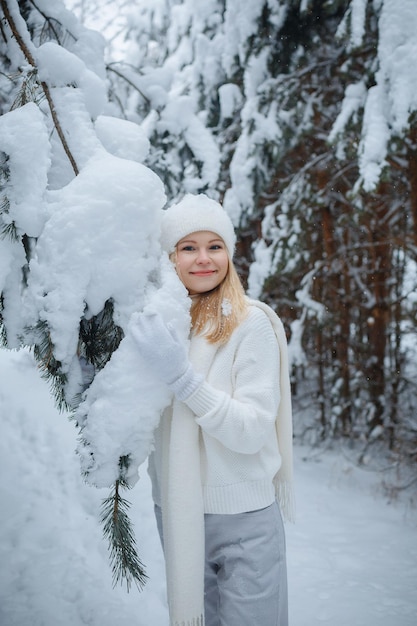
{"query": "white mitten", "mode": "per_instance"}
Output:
(165, 353)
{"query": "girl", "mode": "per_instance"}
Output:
(222, 465)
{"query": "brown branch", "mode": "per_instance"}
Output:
(30, 59)
(58, 127)
(47, 19)
(129, 82)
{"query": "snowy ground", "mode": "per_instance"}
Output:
(352, 556)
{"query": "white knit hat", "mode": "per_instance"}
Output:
(194, 213)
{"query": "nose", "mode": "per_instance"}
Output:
(203, 257)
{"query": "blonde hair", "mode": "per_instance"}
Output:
(215, 314)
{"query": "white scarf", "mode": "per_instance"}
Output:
(283, 480)
(182, 499)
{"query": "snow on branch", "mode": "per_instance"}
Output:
(27, 53)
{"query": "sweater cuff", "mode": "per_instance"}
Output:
(204, 399)
(186, 385)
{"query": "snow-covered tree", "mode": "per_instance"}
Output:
(301, 117)
(79, 252)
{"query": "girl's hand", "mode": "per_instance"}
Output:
(165, 353)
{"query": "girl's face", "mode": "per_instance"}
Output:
(201, 261)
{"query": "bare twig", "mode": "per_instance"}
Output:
(129, 82)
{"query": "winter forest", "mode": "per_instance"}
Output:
(300, 116)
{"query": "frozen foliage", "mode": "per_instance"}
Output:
(90, 239)
(125, 400)
(230, 98)
(191, 56)
(397, 52)
(179, 118)
(84, 44)
(122, 138)
(394, 98)
(389, 104)
(195, 57)
(354, 100)
(354, 22)
(240, 22)
(98, 243)
(24, 138)
(60, 67)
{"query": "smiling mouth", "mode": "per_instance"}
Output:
(204, 273)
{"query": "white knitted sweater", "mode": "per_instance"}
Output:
(236, 408)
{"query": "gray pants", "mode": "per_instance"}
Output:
(245, 570)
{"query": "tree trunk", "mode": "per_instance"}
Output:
(380, 270)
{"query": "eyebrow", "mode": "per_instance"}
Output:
(195, 241)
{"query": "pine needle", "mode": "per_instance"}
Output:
(117, 529)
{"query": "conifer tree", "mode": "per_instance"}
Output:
(57, 176)
(313, 130)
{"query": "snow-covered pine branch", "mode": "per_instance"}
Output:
(80, 243)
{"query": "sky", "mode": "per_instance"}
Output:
(352, 553)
